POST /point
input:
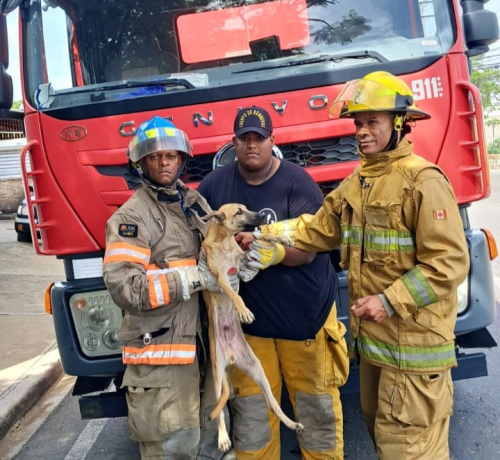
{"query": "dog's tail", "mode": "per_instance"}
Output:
(224, 397)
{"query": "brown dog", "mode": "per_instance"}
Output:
(226, 310)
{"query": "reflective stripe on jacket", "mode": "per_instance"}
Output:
(398, 225)
(147, 242)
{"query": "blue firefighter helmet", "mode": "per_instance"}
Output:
(156, 135)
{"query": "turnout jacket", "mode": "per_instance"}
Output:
(148, 239)
(397, 222)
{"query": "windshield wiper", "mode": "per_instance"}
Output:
(159, 82)
(323, 58)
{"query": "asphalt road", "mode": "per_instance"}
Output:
(55, 431)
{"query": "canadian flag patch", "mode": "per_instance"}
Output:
(440, 214)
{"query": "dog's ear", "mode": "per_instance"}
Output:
(217, 216)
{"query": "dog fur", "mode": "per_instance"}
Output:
(226, 312)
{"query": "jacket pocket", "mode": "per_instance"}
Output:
(434, 322)
(422, 399)
(336, 352)
(380, 236)
(147, 415)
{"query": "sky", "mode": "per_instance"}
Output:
(13, 69)
(58, 48)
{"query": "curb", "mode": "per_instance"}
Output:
(7, 216)
(28, 388)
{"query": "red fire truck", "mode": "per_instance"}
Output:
(93, 70)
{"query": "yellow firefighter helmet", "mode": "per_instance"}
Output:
(377, 91)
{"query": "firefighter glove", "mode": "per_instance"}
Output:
(199, 277)
(246, 272)
(262, 254)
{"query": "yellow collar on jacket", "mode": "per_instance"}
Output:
(379, 164)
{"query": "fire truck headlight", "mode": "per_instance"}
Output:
(91, 342)
(110, 338)
(97, 320)
(80, 303)
(463, 296)
(97, 317)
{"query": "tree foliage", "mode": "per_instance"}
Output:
(494, 147)
(487, 79)
(17, 105)
(492, 122)
(343, 32)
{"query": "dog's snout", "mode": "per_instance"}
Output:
(260, 218)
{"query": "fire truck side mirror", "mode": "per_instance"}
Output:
(480, 26)
(6, 89)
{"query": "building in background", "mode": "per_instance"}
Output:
(12, 139)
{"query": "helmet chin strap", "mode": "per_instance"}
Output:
(146, 179)
(396, 136)
(182, 168)
(393, 141)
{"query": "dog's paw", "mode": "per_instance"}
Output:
(298, 427)
(285, 241)
(224, 443)
(246, 317)
(295, 426)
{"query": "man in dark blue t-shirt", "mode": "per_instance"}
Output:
(295, 334)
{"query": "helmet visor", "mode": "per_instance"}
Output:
(364, 95)
(367, 95)
(340, 104)
(157, 140)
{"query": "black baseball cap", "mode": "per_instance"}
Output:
(253, 120)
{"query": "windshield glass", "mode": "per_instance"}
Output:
(85, 51)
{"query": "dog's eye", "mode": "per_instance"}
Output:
(238, 212)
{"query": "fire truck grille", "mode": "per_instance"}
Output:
(319, 153)
(198, 167)
(305, 154)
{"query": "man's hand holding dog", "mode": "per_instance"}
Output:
(244, 239)
(246, 272)
(200, 277)
(262, 254)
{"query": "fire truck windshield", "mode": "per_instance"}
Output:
(79, 52)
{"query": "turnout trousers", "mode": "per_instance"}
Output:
(312, 370)
(171, 423)
(407, 415)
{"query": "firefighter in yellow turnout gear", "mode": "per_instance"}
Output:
(401, 237)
